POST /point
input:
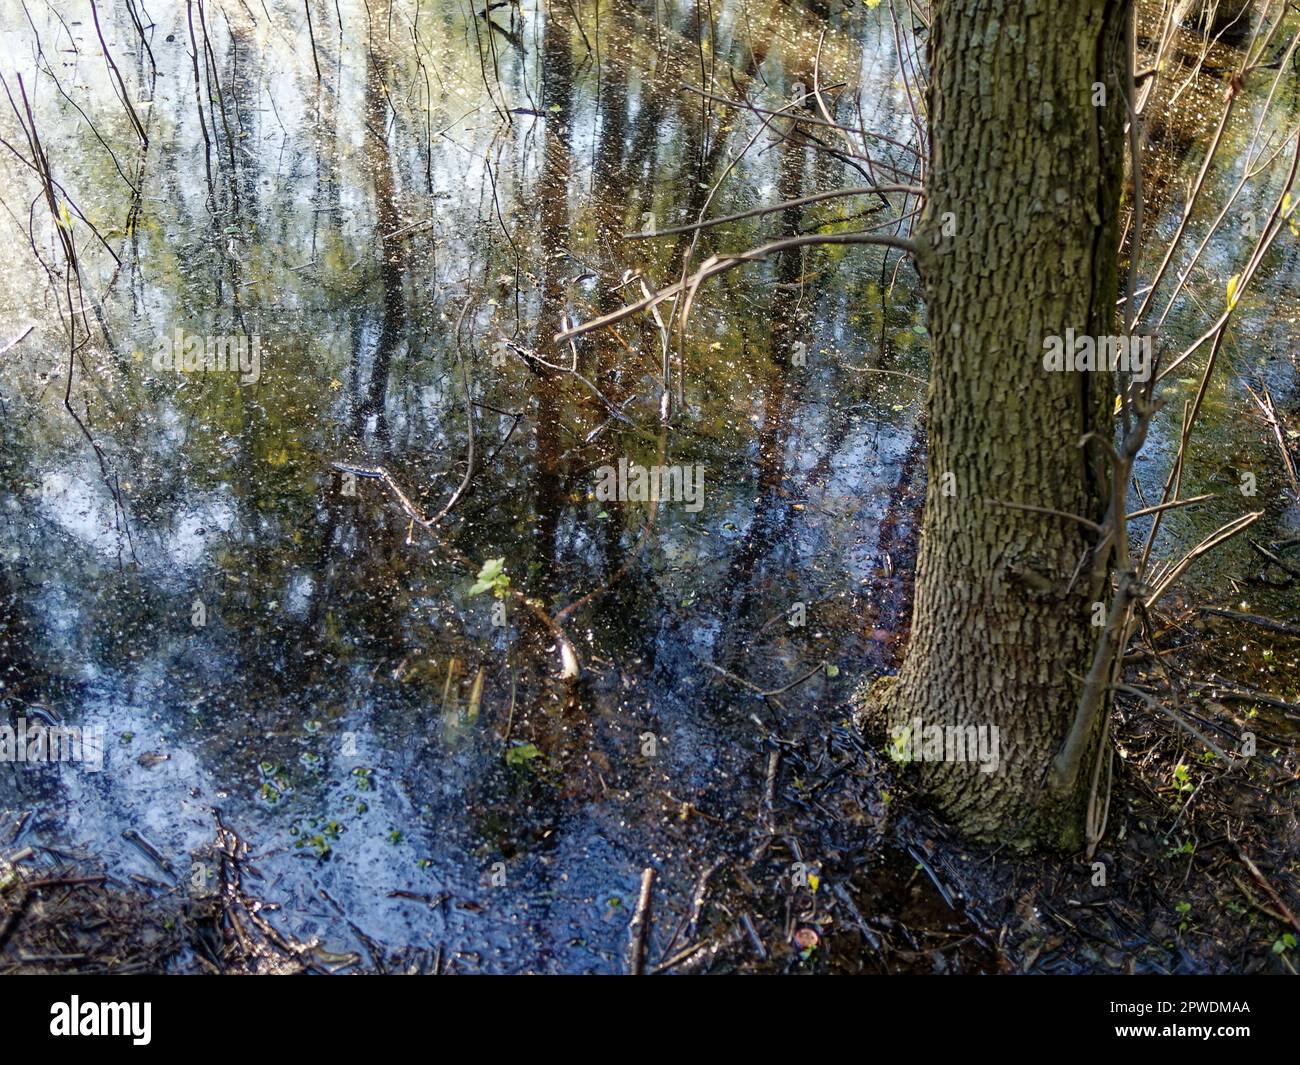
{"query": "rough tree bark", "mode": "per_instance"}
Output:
(1019, 241)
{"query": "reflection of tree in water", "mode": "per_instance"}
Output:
(390, 247)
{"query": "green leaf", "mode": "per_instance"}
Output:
(490, 577)
(522, 755)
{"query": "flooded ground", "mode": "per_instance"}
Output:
(392, 209)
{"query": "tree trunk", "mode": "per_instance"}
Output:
(1019, 242)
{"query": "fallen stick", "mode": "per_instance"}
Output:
(17, 340)
(1281, 564)
(1254, 619)
(640, 925)
(1270, 415)
(1268, 888)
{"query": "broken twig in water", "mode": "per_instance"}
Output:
(1268, 888)
(1253, 619)
(17, 340)
(640, 925)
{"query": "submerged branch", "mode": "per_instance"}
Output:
(720, 264)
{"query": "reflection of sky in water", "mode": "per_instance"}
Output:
(323, 623)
